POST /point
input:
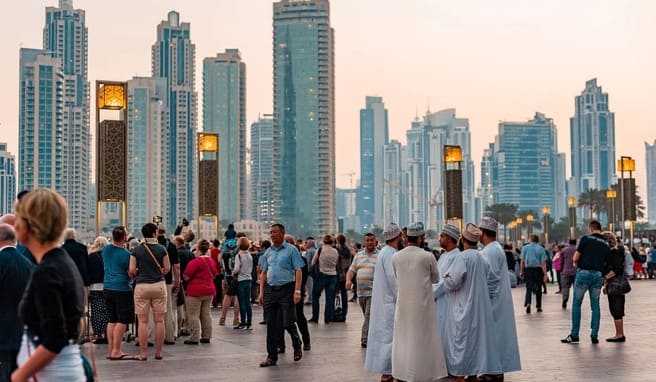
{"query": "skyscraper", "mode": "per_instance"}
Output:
(65, 37)
(374, 135)
(7, 180)
(173, 58)
(392, 172)
(651, 181)
(40, 120)
(592, 130)
(147, 133)
(304, 114)
(264, 205)
(486, 189)
(560, 203)
(526, 160)
(224, 112)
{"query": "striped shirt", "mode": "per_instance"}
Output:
(363, 266)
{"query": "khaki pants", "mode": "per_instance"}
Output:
(365, 305)
(198, 317)
(171, 321)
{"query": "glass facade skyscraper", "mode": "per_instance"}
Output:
(65, 37)
(651, 181)
(173, 58)
(147, 139)
(41, 111)
(592, 130)
(7, 180)
(264, 207)
(374, 135)
(304, 115)
(224, 112)
(525, 163)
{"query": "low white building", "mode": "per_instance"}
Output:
(255, 231)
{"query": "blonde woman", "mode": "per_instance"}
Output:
(53, 302)
(97, 306)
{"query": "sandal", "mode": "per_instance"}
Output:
(140, 358)
(122, 357)
(268, 362)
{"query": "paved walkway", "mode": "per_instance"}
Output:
(336, 354)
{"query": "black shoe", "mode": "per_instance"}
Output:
(313, 320)
(204, 340)
(307, 347)
(570, 340)
(528, 309)
(238, 327)
(339, 320)
(262, 322)
(564, 305)
(616, 339)
(247, 327)
(363, 345)
(545, 292)
(169, 342)
(268, 362)
(539, 310)
(190, 342)
(327, 322)
(594, 340)
(298, 354)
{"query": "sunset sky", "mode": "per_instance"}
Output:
(491, 60)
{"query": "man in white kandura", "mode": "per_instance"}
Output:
(416, 346)
(503, 312)
(470, 346)
(383, 303)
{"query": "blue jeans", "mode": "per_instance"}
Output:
(328, 283)
(244, 297)
(591, 282)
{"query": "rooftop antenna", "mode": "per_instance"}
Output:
(428, 105)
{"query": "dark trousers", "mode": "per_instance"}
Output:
(218, 297)
(328, 283)
(558, 278)
(302, 324)
(341, 289)
(534, 278)
(244, 297)
(7, 364)
(280, 315)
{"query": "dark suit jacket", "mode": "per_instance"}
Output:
(78, 252)
(15, 273)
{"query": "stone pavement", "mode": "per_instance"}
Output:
(336, 354)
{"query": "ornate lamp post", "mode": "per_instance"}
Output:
(627, 192)
(571, 203)
(611, 195)
(545, 215)
(208, 179)
(453, 204)
(529, 225)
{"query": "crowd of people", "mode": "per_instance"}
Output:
(426, 314)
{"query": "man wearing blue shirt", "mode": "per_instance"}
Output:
(534, 271)
(280, 290)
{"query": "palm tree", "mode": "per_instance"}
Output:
(504, 213)
(594, 200)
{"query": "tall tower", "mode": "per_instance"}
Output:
(7, 180)
(262, 181)
(65, 37)
(40, 124)
(224, 112)
(173, 58)
(374, 135)
(304, 115)
(392, 172)
(651, 181)
(592, 130)
(147, 137)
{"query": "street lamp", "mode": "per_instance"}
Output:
(627, 191)
(611, 195)
(453, 203)
(520, 221)
(545, 214)
(571, 203)
(207, 156)
(529, 225)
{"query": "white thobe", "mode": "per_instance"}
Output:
(381, 319)
(502, 306)
(416, 347)
(468, 338)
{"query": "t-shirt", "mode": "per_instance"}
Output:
(244, 266)
(594, 252)
(200, 273)
(116, 261)
(363, 266)
(533, 255)
(148, 272)
(173, 258)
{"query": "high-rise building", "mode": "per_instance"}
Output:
(345, 209)
(224, 112)
(40, 121)
(173, 58)
(486, 189)
(560, 203)
(525, 161)
(7, 180)
(147, 133)
(65, 37)
(417, 202)
(651, 181)
(374, 135)
(304, 115)
(264, 205)
(392, 173)
(592, 130)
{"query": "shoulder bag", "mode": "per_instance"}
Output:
(161, 268)
(618, 285)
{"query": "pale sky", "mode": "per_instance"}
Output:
(491, 60)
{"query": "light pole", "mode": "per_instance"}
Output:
(626, 164)
(571, 203)
(453, 204)
(611, 195)
(207, 155)
(545, 215)
(520, 232)
(529, 226)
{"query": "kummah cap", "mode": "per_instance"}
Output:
(416, 229)
(392, 231)
(451, 231)
(489, 224)
(472, 233)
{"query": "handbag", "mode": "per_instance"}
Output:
(618, 285)
(161, 269)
